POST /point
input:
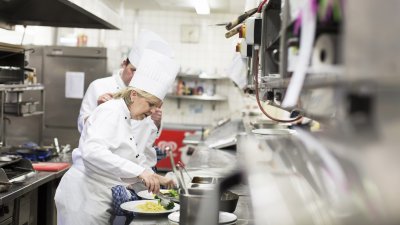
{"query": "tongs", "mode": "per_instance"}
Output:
(171, 157)
(165, 201)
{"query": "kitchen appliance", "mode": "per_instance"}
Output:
(11, 63)
(14, 170)
(52, 64)
(59, 13)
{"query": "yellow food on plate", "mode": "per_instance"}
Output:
(150, 207)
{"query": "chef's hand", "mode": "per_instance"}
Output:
(151, 180)
(167, 182)
(156, 117)
(104, 97)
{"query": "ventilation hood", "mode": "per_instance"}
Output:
(59, 13)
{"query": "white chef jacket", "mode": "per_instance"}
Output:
(107, 156)
(145, 131)
(98, 87)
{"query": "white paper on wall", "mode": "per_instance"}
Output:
(237, 71)
(74, 84)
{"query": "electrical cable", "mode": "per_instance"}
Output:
(255, 78)
(262, 5)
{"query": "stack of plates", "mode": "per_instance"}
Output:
(225, 218)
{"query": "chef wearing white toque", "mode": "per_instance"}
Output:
(107, 154)
(101, 90)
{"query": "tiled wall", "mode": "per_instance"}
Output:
(212, 54)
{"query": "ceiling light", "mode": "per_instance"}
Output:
(202, 7)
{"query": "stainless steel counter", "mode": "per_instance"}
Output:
(40, 178)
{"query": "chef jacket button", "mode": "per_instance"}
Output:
(130, 139)
(126, 117)
(137, 156)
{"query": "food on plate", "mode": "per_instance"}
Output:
(151, 207)
(172, 193)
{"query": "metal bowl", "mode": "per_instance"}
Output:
(228, 201)
(203, 180)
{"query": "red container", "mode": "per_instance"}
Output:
(171, 138)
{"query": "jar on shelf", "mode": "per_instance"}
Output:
(180, 88)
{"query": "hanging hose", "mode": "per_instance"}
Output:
(255, 77)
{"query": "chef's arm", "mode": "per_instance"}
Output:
(104, 97)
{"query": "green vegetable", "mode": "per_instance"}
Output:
(173, 193)
(171, 205)
(166, 204)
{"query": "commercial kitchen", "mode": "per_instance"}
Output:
(282, 111)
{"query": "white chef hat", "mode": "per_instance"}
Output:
(155, 73)
(148, 40)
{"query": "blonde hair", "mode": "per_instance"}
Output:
(126, 95)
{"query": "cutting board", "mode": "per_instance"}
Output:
(50, 166)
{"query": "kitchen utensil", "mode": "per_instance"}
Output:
(145, 194)
(201, 206)
(9, 158)
(5, 183)
(183, 178)
(228, 201)
(171, 157)
(56, 145)
(203, 180)
(164, 201)
(183, 167)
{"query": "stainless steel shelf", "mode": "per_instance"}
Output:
(199, 97)
(6, 89)
(21, 87)
(201, 76)
(25, 114)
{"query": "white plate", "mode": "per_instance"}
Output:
(150, 196)
(132, 207)
(224, 218)
(273, 131)
(146, 195)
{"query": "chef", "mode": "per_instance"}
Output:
(102, 90)
(107, 154)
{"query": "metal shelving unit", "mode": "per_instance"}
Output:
(13, 88)
(199, 97)
(204, 97)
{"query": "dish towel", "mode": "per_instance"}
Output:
(121, 194)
